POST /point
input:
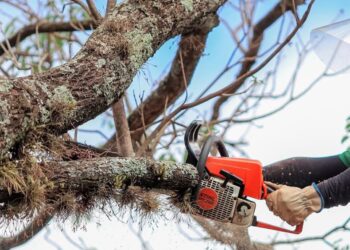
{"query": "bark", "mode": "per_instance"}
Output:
(86, 176)
(123, 139)
(173, 85)
(67, 96)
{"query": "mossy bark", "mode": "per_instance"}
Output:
(105, 173)
(69, 95)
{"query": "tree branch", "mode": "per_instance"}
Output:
(87, 176)
(93, 10)
(123, 133)
(110, 6)
(254, 46)
(46, 27)
(56, 100)
(38, 223)
(172, 86)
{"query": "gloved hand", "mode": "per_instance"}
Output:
(293, 204)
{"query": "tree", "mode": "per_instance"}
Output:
(45, 173)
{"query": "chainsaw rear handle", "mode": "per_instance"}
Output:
(297, 230)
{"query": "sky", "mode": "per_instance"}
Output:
(312, 126)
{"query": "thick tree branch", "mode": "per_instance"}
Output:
(254, 46)
(67, 96)
(86, 176)
(46, 27)
(172, 86)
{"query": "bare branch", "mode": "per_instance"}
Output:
(93, 10)
(122, 128)
(343, 227)
(165, 121)
(252, 52)
(84, 7)
(110, 6)
(46, 27)
(38, 223)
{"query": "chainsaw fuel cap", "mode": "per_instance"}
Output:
(207, 198)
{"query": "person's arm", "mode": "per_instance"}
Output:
(336, 190)
(294, 204)
(303, 171)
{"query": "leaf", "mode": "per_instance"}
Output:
(347, 127)
(344, 139)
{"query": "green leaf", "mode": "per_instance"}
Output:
(347, 127)
(344, 139)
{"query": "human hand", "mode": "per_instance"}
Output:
(293, 204)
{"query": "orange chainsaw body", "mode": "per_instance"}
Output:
(226, 184)
(248, 170)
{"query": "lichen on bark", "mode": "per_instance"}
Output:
(5, 85)
(140, 47)
(99, 74)
(188, 4)
(62, 98)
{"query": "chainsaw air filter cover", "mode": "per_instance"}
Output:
(218, 202)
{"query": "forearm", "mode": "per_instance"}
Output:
(303, 171)
(336, 190)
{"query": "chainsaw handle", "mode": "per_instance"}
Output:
(202, 159)
(298, 229)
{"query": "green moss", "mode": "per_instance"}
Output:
(62, 98)
(5, 85)
(188, 5)
(140, 47)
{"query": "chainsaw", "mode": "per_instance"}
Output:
(225, 183)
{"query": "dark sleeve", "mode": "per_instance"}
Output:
(303, 171)
(336, 190)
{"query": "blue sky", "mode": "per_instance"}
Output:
(312, 126)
